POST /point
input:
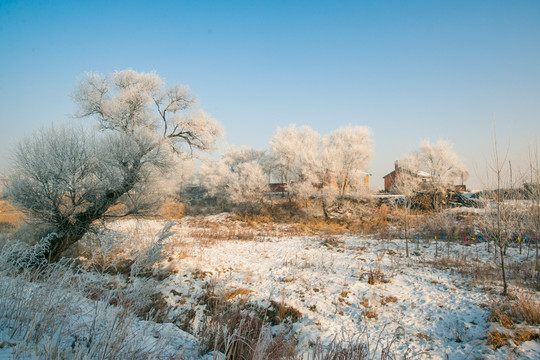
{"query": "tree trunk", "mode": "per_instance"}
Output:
(63, 241)
(505, 285)
(71, 232)
(325, 212)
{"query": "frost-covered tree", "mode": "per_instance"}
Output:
(289, 152)
(441, 164)
(248, 183)
(322, 167)
(348, 152)
(67, 179)
(238, 177)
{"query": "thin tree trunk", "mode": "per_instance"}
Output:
(505, 285)
(325, 212)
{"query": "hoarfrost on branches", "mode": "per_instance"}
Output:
(67, 179)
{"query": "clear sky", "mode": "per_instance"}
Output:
(409, 70)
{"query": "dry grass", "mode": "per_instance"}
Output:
(296, 225)
(523, 335)
(364, 303)
(10, 217)
(487, 274)
(172, 210)
(340, 350)
(232, 294)
(523, 307)
(239, 335)
(279, 312)
(497, 339)
(242, 330)
(498, 315)
(209, 236)
(520, 315)
(389, 299)
(45, 306)
(371, 314)
(156, 309)
(377, 276)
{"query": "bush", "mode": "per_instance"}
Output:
(172, 210)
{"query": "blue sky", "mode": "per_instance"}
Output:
(409, 70)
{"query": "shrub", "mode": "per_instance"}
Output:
(172, 210)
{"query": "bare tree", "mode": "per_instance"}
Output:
(533, 218)
(500, 213)
(67, 179)
(406, 184)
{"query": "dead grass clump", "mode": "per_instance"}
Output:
(297, 223)
(377, 276)
(340, 350)
(497, 339)
(278, 312)
(524, 274)
(332, 242)
(524, 335)
(371, 314)
(172, 210)
(527, 308)
(241, 330)
(364, 302)
(520, 308)
(389, 299)
(199, 274)
(231, 295)
(157, 309)
(498, 315)
(239, 335)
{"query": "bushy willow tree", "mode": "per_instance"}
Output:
(440, 163)
(66, 179)
(238, 178)
(325, 167)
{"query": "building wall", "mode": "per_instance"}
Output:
(389, 181)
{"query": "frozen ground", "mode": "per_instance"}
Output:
(345, 287)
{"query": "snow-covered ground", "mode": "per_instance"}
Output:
(346, 288)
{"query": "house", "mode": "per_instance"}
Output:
(391, 178)
(424, 179)
(363, 181)
(278, 188)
